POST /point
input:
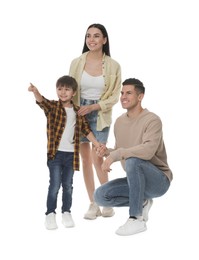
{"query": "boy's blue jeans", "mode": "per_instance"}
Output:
(61, 173)
(144, 181)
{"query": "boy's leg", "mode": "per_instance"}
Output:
(67, 181)
(54, 184)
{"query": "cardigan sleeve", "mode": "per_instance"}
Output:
(112, 76)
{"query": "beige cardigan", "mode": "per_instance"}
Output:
(112, 77)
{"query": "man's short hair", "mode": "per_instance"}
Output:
(136, 83)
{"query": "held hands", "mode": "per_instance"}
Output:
(101, 151)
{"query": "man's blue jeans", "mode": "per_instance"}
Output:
(61, 173)
(144, 181)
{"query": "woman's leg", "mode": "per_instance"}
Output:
(103, 178)
(87, 165)
(97, 161)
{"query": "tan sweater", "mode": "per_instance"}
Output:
(112, 78)
(140, 137)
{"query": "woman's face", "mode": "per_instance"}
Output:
(95, 39)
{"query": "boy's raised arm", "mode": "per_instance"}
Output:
(36, 93)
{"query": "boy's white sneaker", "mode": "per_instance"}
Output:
(131, 227)
(67, 220)
(93, 211)
(146, 207)
(50, 222)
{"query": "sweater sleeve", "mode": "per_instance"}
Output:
(147, 148)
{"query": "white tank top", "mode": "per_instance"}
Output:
(91, 87)
(66, 143)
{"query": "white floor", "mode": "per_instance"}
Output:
(172, 232)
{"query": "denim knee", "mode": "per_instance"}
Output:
(131, 163)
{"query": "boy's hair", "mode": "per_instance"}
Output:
(139, 87)
(67, 81)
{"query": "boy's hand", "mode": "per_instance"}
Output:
(101, 150)
(35, 92)
(31, 88)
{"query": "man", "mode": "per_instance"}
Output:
(139, 145)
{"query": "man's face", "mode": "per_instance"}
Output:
(129, 98)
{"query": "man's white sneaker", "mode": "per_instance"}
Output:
(146, 208)
(107, 212)
(50, 222)
(93, 211)
(131, 227)
(67, 220)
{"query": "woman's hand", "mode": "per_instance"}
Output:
(84, 110)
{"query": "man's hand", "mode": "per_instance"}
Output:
(106, 164)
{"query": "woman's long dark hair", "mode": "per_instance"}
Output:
(106, 48)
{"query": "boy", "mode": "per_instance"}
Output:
(64, 127)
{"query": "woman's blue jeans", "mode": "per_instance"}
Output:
(61, 173)
(144, 181)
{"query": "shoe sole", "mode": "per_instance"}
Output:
(52, 228)
(94, 216)
(91, 218)
(108, 216)
(139, 231)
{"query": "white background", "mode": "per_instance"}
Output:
(155, 41)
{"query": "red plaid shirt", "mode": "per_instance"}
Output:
(56, 121)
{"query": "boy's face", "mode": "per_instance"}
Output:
(65, 93)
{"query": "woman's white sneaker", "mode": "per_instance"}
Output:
(93, 211)
(108, 212)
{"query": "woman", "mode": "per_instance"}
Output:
(99, 85)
